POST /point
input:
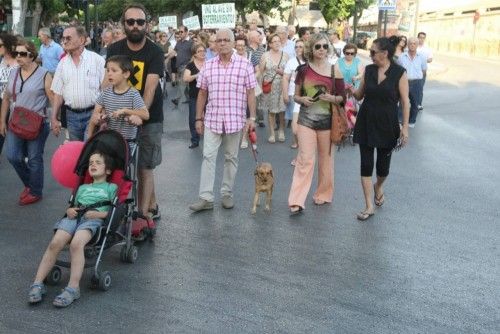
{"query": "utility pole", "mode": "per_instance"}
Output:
(415, 23)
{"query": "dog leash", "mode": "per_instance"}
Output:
(252, 137)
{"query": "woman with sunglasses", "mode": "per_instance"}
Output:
(190, 76)
(351, 66)
(271, 68)
(7, 47)
(315, 90)
(384, 84)
(400, 47)
(28, 87)
(289, 87)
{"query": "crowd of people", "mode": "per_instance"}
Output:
(230, 80)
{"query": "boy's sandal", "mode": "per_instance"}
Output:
(295, 210)
(37, 290)
(68, 296)
(364, 215)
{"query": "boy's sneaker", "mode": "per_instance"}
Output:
(155, 213)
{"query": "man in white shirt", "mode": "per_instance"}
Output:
(338, 44)
(425, 51)
(77, 83)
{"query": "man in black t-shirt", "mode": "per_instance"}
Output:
(147, 58)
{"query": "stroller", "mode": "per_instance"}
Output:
(117, 227)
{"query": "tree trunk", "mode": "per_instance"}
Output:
(19, 8)
(37, 14)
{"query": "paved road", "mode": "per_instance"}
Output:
(427, 262)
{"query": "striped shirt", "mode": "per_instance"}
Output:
(112, 101)
(227, 87)
(79, 86)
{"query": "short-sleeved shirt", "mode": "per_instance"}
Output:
(425, 51)
(415, 66)
(227, 87)
(318, 115)
(79, 85)
(88, 194)
(148, 60)
(30, 91)
(50, 56)
(112, 101)
(290, 69)
(193, 90)
(183, 49)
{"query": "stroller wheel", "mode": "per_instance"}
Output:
(129, 254)
(152, 234)
(105, 281)
(54, 276)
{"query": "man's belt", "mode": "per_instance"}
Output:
(78, 111)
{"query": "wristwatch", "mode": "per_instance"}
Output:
(251, 118)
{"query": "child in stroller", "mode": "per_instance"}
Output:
(82, 221)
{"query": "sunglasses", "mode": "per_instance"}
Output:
(319, 46)
(131, 22)
(373, 53)
(350, 53)
(21, 54)
(227, 40)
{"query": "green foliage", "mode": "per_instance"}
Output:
(342, 9)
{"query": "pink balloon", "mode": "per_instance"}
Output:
(64, 162)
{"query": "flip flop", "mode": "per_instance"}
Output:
(379, 200)
(363, 215)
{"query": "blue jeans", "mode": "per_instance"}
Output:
(77, 124)
(421, 96)
(31, 172)
(415, 89)
(195, 137)
(289, 108)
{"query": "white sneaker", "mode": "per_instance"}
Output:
(244, 144)
(411, 125)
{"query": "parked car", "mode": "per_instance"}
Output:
(363, 38)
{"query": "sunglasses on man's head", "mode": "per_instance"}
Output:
(21, 54)
(319, 46)
(131, 22)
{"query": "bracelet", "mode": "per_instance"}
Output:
(198, 120)
(251, 118)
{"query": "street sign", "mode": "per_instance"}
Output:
(192, 23)
(386, 4)
(217, 16)
(164, 22)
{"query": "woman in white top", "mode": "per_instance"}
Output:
(289, 85)
(7, 46)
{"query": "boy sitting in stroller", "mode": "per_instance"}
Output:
(77, 228)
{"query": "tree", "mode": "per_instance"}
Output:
(339, 9)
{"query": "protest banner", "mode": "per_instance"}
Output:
(167, 21)
(217, 16)
(192, 23)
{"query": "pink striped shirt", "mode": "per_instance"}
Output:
(227, 87)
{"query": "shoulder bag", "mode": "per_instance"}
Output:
(267, 85)
(340, 128)
(24, 123)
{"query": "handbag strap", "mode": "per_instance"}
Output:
(333, 79)
(279, 63)
(14, 95)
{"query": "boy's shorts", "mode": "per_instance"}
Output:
(69, 225)
(150, 145)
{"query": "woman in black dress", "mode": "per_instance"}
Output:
(385, 83)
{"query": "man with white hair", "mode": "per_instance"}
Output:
(227, 82)
(107, 39)
(50, 51)
(416, 66)
(287, 46)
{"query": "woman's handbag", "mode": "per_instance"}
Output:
(268, 85)
(340, 127)
(24, 123)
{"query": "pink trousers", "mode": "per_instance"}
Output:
(310, 142)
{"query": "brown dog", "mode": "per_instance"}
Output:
(264, 182)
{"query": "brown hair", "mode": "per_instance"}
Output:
(136, 6)
(29, 45)
(195, 48)
(270, 38)
(350, 46)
